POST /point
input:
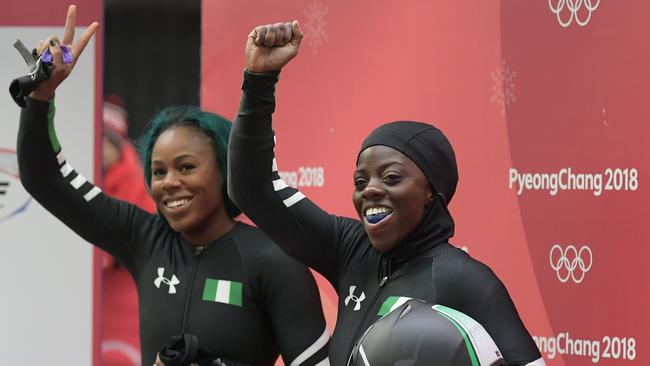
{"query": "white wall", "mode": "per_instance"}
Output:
(45, 269)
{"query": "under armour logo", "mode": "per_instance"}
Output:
(354, 298)
(162, 279)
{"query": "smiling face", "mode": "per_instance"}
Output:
(390, 195)
(186, 184)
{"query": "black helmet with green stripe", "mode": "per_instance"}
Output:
(419, 333)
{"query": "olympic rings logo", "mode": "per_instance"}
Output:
(573, 6)
(570, 263)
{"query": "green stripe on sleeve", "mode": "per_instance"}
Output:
(50, 127)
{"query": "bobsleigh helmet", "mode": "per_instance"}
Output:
(423, 334)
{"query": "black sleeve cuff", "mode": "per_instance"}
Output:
(260, 83)
(37, 105)
(258, 98)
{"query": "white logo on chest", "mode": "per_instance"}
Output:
(357, 299)
(169, 282)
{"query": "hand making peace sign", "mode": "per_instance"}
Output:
(61, 70)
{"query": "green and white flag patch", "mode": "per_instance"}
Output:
(392, 303)
(226, 292)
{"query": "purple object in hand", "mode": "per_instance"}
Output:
(66, 54)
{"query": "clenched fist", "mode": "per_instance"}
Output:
(270, 47)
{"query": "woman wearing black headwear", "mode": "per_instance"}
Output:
(405, 177)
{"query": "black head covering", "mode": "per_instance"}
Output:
(426, 146)
(430, 150)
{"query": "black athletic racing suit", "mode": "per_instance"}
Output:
(338, 247)
(241, 296)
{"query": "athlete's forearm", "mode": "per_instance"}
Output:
(298, 226)
(67, 194)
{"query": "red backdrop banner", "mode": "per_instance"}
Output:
(544, 104)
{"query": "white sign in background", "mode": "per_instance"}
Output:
(46, 313)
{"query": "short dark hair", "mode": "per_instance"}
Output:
(216, 127)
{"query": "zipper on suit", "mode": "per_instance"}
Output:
(195, 266)
(357, 333)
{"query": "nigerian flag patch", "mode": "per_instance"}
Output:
(225, 292)
(392, 303)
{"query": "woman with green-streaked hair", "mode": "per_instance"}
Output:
(198, 271)
(214, 128)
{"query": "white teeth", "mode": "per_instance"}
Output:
(377, 210)
(177, 203)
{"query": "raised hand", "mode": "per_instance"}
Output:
(45, 91)
(270, 47)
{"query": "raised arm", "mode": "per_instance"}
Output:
(50, 179)
(295, 223)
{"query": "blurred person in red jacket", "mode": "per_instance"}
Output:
(123, 180)
(122, 169)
